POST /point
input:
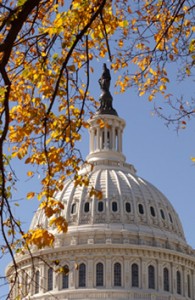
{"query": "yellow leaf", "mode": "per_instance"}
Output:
(60, 223)
(188, 72)
(152, 71)
(81, 92)
(160, 46)
(140, 46)
(43, 54)
(30, 195)
(28, 160)
(141, 93)
(192, 46)
(164, 79)
(129, 10)
(30, 173)
(67, 139)
(71, 68)
(171, 56)
(193, 159)
(120, 43)
(65, 270)
(162, 87)
(39, 237)
(123, 23)
(151, 97)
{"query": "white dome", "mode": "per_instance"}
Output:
(129, 204)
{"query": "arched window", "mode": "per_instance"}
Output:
(128, 207)
(50, 279)
(166, 279)
(116, 142)
(114, 206)
(102, 146)
(178, 282)
(189, 286)
(141, 209)
(82, 275)
(65, 277)
(152, 211)
(99, 274)
(117, 274)
(135, 275)
(73, 208)
(100, 206)
(151, 277)
(162, 214)
(86, 207)
(37, 280)
(109, 142)
(170, 218)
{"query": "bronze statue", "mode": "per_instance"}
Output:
(104, 81)
(105, 97)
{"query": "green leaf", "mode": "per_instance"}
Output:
(21, 2)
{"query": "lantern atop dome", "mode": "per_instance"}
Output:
(106, 127)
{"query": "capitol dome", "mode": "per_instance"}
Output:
(128, 245)
(129, 204)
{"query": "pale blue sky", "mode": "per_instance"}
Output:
(160, 155)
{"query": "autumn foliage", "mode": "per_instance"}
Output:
(47, 53)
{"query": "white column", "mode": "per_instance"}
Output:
(105, 138)
(174, 284)
(20, 283)
(72, 274)
(183, 280)
(57, 279)
(171, 278)
(120, 140)
(113, 138)
(95, 140)
(126, 273)
(42, 281)
(108, 273)
(160, 275)
(143, 275)
(98, 138)
(92, 140)
(45, 278)
(30, 287)
(90, 276)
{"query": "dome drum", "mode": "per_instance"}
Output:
(116, 271)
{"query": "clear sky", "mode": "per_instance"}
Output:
(159, 153)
